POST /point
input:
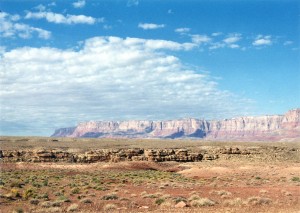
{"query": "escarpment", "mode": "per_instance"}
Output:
(260, 128)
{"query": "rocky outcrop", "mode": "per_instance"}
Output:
(101, 155)
(204, 153)
(275, 127)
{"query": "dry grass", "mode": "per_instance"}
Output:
(76, 144)
(202, 202)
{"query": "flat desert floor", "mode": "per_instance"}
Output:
(229, 184)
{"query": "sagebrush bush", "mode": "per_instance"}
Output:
(73, 207)
(110, 197)
(109, 207)
(258, 201)
(202, 202)
(159, 201)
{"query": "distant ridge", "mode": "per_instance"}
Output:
(261, 128)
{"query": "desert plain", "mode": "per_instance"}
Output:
(40, 174)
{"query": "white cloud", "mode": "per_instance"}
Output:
(216, 45)
(61, 19)
(10, 28)
(234, 46)
(79, 4)
(40, 7)
(216, 34)
(170, 11)
(262, 40)
(288, 43)
(150, 26)
(131, 3)
(233, 38)
(108, 78)
(200, 39)
(182, 30)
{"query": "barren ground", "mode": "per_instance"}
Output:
(235, 184)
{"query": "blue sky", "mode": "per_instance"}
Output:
(63, 62)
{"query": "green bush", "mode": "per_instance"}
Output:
(159, 201)
(296, 179)
(110, 197)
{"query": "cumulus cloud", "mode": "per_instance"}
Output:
(108, 78)
(217, 34)
(200, 39)
(62, 19)
(10, 28)
(79, 4)
(232, 38)
(40, 7)
(150, 26)
(262, 40)
(182, 30)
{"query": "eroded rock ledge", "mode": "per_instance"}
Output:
(137, 154)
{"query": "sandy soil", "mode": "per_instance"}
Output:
(232, 186)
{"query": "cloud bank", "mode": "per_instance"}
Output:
(11, 28)
(108, 78)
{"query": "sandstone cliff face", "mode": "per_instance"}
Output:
(275, 127)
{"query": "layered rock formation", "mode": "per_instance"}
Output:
(205, 153)
(275, 127)
(100, 155)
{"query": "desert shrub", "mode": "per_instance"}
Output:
(36, 184)
(2, 183)
(234, 202)
(156, 195)
(296, 179)
(57, 193)
(15, 193)
(75, 190)
(166, 196)
(143, 193)
(56, 203)
(28, 193)
(194, 197)
(202, 202)
(179, 199)
(110, 197)
(86, 200)
(43, 196)
(257, 178)
(159, 201)
(63, 198)
(73, 207)
(46, 204)
(166, 204)
(54, 209)
(18, 210)
(16, 183)
(258, 201)
(109, 207)
(45, 182)
(79, 197)
(101, 188)
(34, 201)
